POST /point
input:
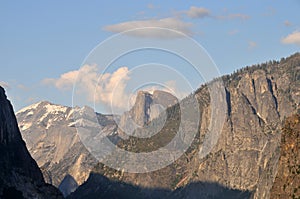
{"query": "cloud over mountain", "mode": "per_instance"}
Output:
(106, 88)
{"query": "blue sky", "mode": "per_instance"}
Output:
(41, 41)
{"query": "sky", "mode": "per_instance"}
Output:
(46, 47)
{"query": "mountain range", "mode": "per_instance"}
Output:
(262, 102)
(245, 158)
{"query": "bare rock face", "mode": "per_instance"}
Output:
(141, 109)
(20, 176)
(245, 158)
(246, 155)
(287, 181)
(248, 147)
(146, 108)
(43, 129)
(49, 131)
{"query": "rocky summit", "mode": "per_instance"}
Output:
(49, 131)
(243, 163)
(146, 108)
(20, 176)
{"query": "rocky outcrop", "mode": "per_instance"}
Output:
(49, 131)
(148, 106)
(287, 181)
(140, 112)
(246, 155)
(247, 152)
(245, 158)
(20, 176)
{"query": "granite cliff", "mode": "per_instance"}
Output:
(20, 176)
(245, 158)
(146, 108)
(50, 133)
(287, 181)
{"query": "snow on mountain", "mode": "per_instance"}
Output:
(51, 137)
(50, 133)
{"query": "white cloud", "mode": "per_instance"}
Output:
(197, 12)
(108, 88)
(66, 81)
(169, 23)
(4, 85)
(252, 44)
(293, 38)
(111, 89)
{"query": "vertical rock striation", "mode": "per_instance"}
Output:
(246, 155)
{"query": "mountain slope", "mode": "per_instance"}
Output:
(19, 174)
(50, 133)
(245, 158)
(287, 181)
(247, 152)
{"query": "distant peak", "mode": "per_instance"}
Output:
(30, 107)
(37, 105)
(141, 92)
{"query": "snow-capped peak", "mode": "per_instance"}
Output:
(29, 108)
(53, 108)
(50, 108)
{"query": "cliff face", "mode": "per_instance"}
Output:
(287, 181)
(246, 155)
(245, 158)
(141, 109)
(247, 152)
(50, 134)
(146, 108)
(14, 153)
(19, 173)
